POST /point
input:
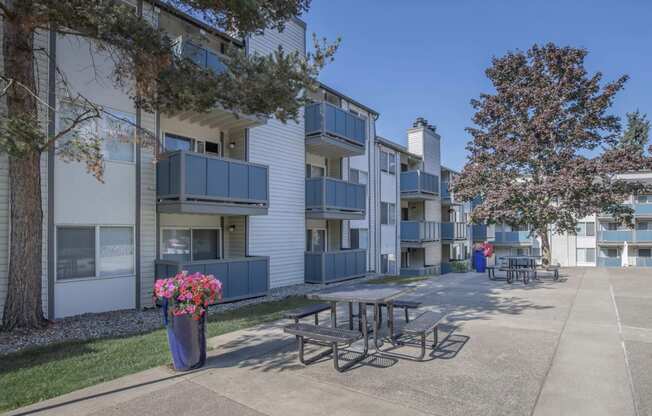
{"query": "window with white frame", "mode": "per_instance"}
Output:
(610, 252)
(585, 229)
(115, 129)
(387, 263)
(387, 213)
(314, 171)
(94, 251)
(644, 225)
(586, 255)
(359, 238)
(358, 176)
(191, 244)
(387, 162)
(316, 240)
(644, 252)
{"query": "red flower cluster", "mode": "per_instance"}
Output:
(189, 293)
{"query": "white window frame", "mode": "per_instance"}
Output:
(97, 228)
(389, 206)
(192, 254)
(195, 143)
(111, 110)
(312, 230)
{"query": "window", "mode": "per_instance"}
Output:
(586, 229)
(644, 199)
(644, 252)
(78, 256)
(384, 263)
(116, 251)
(611, 252)
(387, 162)
(206, 244)
(174, 142)
(175, 244)
(359, 238)
(644, 225)
(316, 240)
(522, 251)
(116, 130)
(387, 213)
(313, 171)
(586, 255)
(611, 226)
(75, 252)
(521, 227)
(332, 99)
(191, 244)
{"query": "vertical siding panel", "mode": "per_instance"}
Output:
(147, 214)
(281, 233)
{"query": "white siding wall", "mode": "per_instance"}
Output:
(148, 223)
(281, 233)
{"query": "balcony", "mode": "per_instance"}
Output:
(420, 271)
(219, 116)
(334, 132)
(616, 236)
(640, 261)
(242, 278)
(513, 238)
(333, 266)
(194, 183)
(330, 198)
(609, 262)
(643, 210)
(416, 184)
(643, 236)
(479, 232)
(418, 233)
(453, 231)
(447, 195)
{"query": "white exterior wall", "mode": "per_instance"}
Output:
(281, 233)
(79, 199)
(390, 193)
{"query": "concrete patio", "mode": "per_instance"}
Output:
(580, 346)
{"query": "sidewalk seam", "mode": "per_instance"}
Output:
(554, 353)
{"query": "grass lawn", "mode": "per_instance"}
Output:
(398, 279)
(38, 374)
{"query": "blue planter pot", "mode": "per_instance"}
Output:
(187, 340)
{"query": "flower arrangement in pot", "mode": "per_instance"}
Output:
(185, 298)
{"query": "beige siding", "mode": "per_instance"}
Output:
(147, 214)
(281, 234)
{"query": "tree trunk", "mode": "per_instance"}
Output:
(23, 307)
(545, 247)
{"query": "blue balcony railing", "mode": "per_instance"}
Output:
(641, 261)
(203, 57)
(609, 261)
(325, 118)
(332, 266)
(419, 231)
(616, 236)
(479, 232)
(241, 278)
(643, 236)
(420, 182)
(445, 191)
(183, 175)
(453, 231)
(513, 237)
(643, 209)
(330, 194)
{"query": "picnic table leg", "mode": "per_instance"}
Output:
(334, 314)
(390, 321)
(351, 315)
(376, 325)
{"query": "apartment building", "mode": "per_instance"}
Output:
(600, 241)
(258, 203)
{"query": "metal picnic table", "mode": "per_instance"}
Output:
(363, 295)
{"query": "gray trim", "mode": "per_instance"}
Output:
(138, 192)
(326, 214)
(347, 98)
(52, 102)
(209, 208)
(158, 215)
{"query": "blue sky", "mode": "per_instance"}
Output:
(427, 58)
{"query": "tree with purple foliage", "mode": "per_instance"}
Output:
(545, 151)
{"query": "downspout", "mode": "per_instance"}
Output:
(52, 98)
(138, 191)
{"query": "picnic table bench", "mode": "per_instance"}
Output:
(323, 335)
(424, 324)
(314, 309)
(521, 273)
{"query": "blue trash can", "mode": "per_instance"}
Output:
(480, 261)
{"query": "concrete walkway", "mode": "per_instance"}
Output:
(580, 346)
